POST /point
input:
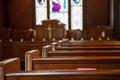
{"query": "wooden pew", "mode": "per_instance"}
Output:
(9, 65)
(66, 75)
(105, 33)
(86, 45)
(91, 43)
(88, 48)
(52, 63)
(18, 48)
(58, 46)
(80, 50)
(104, 50)
(34, 62)
(83, 53)
(33, 75)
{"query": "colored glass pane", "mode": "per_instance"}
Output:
(76, 14)
(59, 11)
(41, 7)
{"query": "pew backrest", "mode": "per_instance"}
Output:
(84, 53)
(88, 48)
(51, 63)
(92, 43)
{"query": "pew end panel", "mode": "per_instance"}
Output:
(8, 66)
(11, 65)
(45, 50)
(29, 55)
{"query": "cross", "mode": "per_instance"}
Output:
(49, 31)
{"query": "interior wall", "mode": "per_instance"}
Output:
(2, 12)
(97, 12)
(21, 14)
(116, 28)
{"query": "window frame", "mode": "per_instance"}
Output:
(69, 13)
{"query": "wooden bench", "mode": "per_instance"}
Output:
(51, 50)
(94, 42)
(92, 45)
(104, 50)
(82, 53)
(18, 48)
(9, 65)
(88, 48)
(51, 63)
(66, 75)
(95, 33)
(34, 62)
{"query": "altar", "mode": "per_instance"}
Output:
(50, 30)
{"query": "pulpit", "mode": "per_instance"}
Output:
(50, 30)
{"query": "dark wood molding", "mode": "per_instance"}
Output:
(116, 28)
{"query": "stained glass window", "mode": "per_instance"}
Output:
(60, 10)
(41, 11)
(76, 14)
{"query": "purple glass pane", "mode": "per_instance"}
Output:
(56, 7)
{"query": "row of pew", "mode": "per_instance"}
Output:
(6, 68)
(67, 60)
(40, 33)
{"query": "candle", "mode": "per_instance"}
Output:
(91, 39)
(44, 39)
(100, 38)
(10, 40)
(21, 40)
(103, 34)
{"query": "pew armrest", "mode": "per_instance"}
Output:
(29, 55)
(45, 49)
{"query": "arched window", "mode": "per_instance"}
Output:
(69, 12)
